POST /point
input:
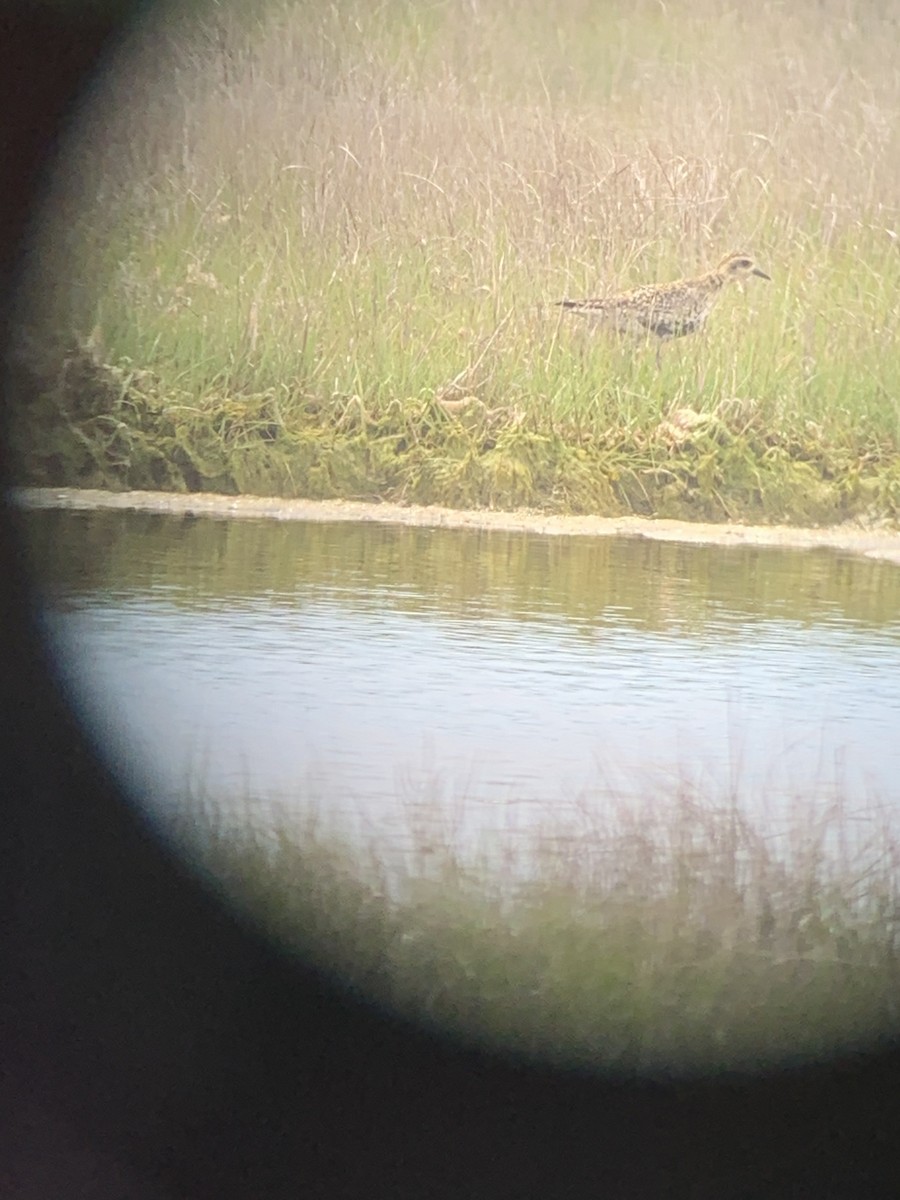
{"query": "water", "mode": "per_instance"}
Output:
(492, 678)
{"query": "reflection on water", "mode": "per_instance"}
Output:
(355, 665)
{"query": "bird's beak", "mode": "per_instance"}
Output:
(761, 273)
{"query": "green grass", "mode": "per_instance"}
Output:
(676, 938)
(329, 221)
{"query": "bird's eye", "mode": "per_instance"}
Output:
(743, 262)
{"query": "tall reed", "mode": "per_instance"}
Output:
(315, 214)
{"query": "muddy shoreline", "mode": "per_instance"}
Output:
(882, 543)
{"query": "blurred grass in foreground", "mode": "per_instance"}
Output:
(675, 937)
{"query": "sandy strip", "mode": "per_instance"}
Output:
(875, 543)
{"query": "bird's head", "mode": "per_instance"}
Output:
(740, 266)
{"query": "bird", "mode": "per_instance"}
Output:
(667, 310)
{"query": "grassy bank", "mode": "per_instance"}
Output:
(679, 938)
(312, 252)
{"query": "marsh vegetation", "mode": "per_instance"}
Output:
(311, 250)
(675, 937)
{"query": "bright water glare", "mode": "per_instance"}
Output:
(494, 678)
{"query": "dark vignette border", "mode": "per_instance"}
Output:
(152, 1045)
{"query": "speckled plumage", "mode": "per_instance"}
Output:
(667, 310)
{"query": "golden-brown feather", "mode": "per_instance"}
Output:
(667, 310)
